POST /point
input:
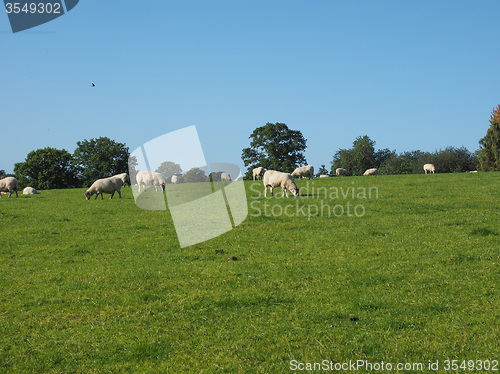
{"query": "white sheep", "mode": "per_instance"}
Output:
(150, 178)
(29, 191)
(225, 177)
(106, 185)
(341, 171)
(158, 181)
(8, 185)
(324, 176)
(124, 177)
(372, 171)
(304, 171)
(174, 179)
(143, 178)
(429, 168)
(258, 173)
(277, 179)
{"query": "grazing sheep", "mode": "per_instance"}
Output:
(143, 178)
(258, 172)
(225, 177)
(324, 176)
(124, 177)
(372, 171)
(273, 179)
(174, 179)
(158, 181)
(147, 178)
(29, 191)
(303, 172)
(341, 171)
(8, 185)
(429, 168)
(472, 171)
(105, 185)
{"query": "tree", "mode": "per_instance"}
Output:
(342, 159)
(412, 162)
(357, 159)
(168, 169)
(363, 154)
(274, 146)
(392, 165)
(453, 160)
(215, 176)
(47, 168)
(382, 157)
(132, 171)
(489, 146)
(99, 158)
(322, 171)
(4, 174)
(195, 175)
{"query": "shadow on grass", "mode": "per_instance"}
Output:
(483, 231)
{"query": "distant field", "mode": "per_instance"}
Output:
(399, 269)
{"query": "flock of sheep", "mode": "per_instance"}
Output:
(373, 171)
(271, 179)
(144, 178)
(108, 185)
(285, 181)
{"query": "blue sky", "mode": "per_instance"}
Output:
(410, 75)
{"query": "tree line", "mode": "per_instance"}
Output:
(50, 168)
(363, 156)
(169, 168)
(273, 146)
(276, 147)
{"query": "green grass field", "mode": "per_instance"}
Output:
(406, 270)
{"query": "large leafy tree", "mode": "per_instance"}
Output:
(360, 157)
(169, 169)
(489, 151)
(274, 146)
(99, 158)
(195, 175)
(47, 168)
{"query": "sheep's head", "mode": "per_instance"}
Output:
(87, 195)
(295, 191)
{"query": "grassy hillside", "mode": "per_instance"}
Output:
(400, 269)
